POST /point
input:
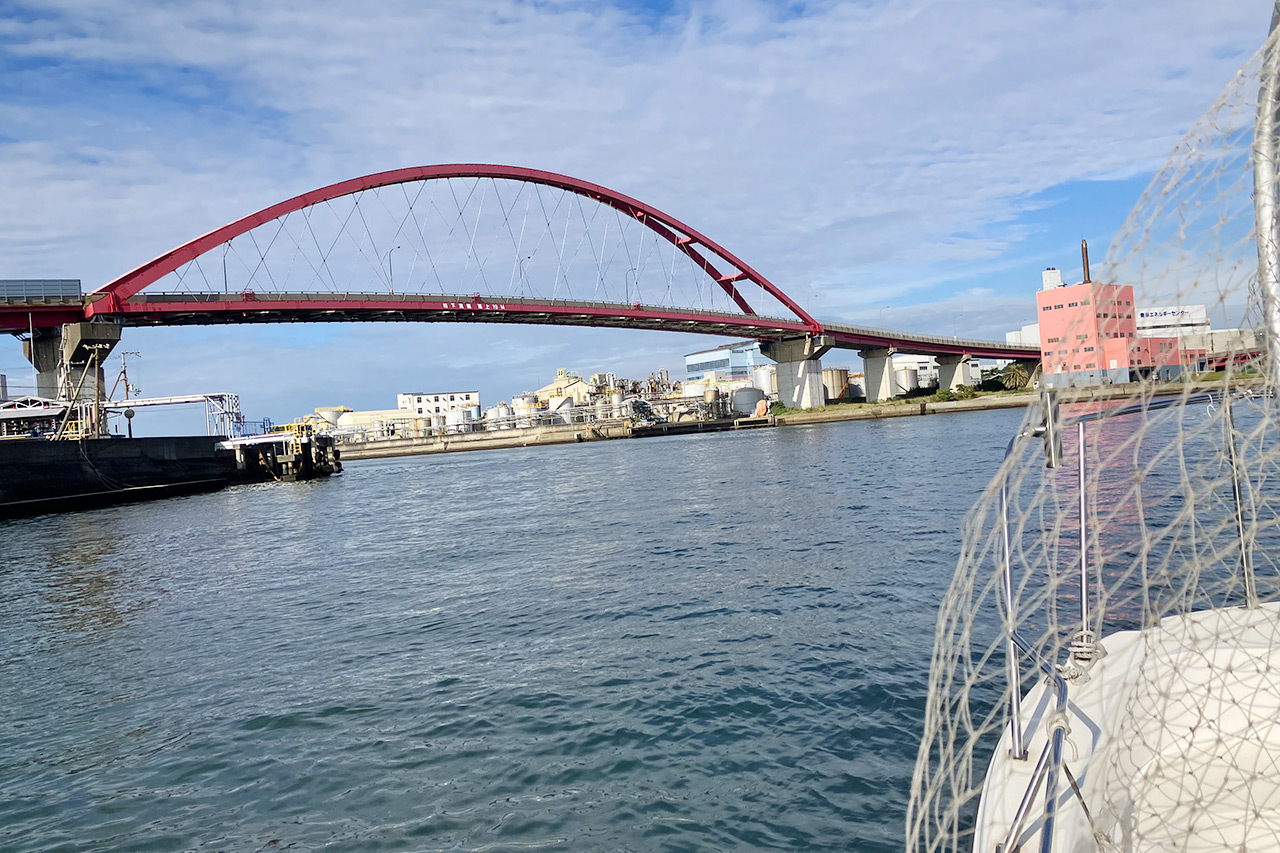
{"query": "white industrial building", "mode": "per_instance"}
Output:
(437, 402)
(1172, 321)
(731, 361)
(1028, 334)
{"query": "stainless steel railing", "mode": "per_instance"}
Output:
(1049, 764)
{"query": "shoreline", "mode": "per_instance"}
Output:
(552, 434)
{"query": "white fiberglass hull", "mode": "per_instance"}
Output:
(1174, 741)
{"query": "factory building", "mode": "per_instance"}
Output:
(1089, 335)
(731, 361)
(437, 402)
(1175, 321)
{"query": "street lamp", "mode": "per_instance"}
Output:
(523, 277)
(955, 320)
(391, 273)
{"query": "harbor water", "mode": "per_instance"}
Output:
(706, 642)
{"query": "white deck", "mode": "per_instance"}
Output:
(1174, 739)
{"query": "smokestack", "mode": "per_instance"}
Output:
(1084, 254)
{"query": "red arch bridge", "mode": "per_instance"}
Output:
(462, 243)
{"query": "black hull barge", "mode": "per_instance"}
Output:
(39, 475)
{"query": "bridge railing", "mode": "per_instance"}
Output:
(921, 338)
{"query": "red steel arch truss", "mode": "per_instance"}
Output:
(468, 242)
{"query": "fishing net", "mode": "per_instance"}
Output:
(1107, 666)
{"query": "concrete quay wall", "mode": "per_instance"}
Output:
(571, 433)
(485, 440)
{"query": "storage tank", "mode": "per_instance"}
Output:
(743, 400)
(522, 407)
(458, 420)
(616, 401)
(329, 413)
(906, 379)
(765, 377)
(560, 409)
(836, 382)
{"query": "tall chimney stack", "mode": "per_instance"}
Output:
(1084, 254)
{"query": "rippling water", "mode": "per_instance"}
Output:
(710, 642)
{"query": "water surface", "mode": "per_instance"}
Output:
(714, 642)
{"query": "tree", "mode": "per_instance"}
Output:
(1015, 375)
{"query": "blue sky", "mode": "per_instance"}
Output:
(917, 161)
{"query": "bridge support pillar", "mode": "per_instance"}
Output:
(877, 368)
(68, 360)
(44, 351)
(953, 371)
(799, 369)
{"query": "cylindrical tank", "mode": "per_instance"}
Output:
(906, 379)
(438, 423)
(457, 420)
(765, 378)
(559, 409)
(615, 399)
(522, 408)
(743, 400)
(836, 382)
(475, 413)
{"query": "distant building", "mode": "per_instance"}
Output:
(1175, 321)
(1028, 334)
(437, 402)
(914, 371)
(1089, 335)
(566, 385)
(731, 361)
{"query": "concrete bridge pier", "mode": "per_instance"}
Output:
(799, 369)
(953, 371)
(877, 368)
(68, 360)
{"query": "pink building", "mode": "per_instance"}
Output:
(1088, 335)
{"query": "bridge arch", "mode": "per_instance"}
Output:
(728, 273)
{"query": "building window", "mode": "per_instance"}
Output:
(437, 409)
(1072, 304)
(419, 410)
(436, 400)
(1088, 349)
(1052, 341)
(1059, 305)
(450, 398)
(1089, 366)
(1082, 337)
(1046, 308)
(419, 399)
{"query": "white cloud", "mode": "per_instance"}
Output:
(853, 141)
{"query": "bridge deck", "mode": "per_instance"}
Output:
(187, 309)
